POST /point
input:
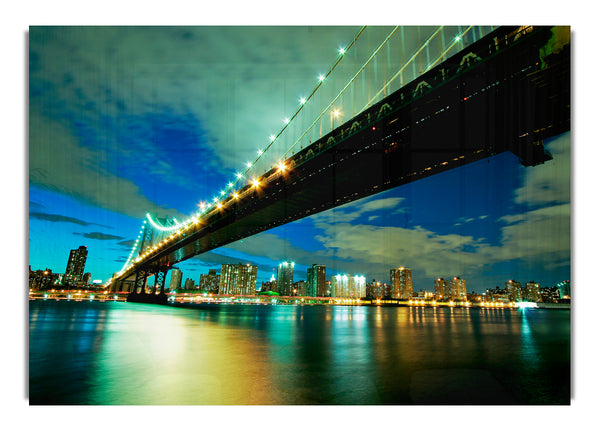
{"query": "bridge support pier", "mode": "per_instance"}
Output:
(160, 279)
(139, 293)
(140, 281)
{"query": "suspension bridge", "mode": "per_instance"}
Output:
(458, 98)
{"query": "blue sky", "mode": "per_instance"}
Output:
(124, 121)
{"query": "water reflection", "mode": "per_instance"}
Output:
(119, 353)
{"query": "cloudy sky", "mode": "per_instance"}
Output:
(129, 120)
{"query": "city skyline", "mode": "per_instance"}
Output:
(116, 136)
(399, 283)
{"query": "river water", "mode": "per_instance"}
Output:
(129, 354)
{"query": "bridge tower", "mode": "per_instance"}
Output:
(152, 235)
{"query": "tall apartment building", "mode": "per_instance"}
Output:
(176, 277)
(315, 281)
(441, 289)
(76, 265)
(377, 290)
(347, 286)
(238, 279)
(514, 291)
(458, 289)
(299, 288)
(210, 282)
(533, 292)
(401, 283)
(285, 278)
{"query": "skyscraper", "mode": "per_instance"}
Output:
(285, 278)
(401, 283)
(315, 280)
(176, 276)
(238, 279)
(76, 265)
(458, 289)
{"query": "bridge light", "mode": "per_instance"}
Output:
(230, 185)
(260, 151)
(222, 192)
(249, 164)
(219, 205)
(342, 51)
(336, 112)
(255, 182)
(239, 175)
(302, 100)
(321, 78)
(457, 38)
(272, 138)
(286, 121)
(235, 195)
(281, 167)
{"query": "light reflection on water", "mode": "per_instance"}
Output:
(120, 353)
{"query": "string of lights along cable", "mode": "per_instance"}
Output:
(310, 114)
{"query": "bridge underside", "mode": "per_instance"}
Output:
(505, 99)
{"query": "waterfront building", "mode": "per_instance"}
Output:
(458, 289)
(423, 294)
(269, 286)
(189, 284)
(339, 285)
(513, 290)
(564, 288)
(441, 289)
(401, 283)
(550, 294)
(377, 290)
(285, 278)
(76, 265)
(237, 279)
(532, 292)
(176, 277)
(40, 280)
(346, 286)
(210, 282)
(87, 277)
(315, 281)
(299, 288)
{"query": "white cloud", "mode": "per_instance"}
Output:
(549, 183)
(541, 232)
(354, 210)
(59, 163)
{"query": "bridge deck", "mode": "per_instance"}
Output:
(493, 97)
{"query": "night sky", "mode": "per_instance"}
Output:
(129, 120)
